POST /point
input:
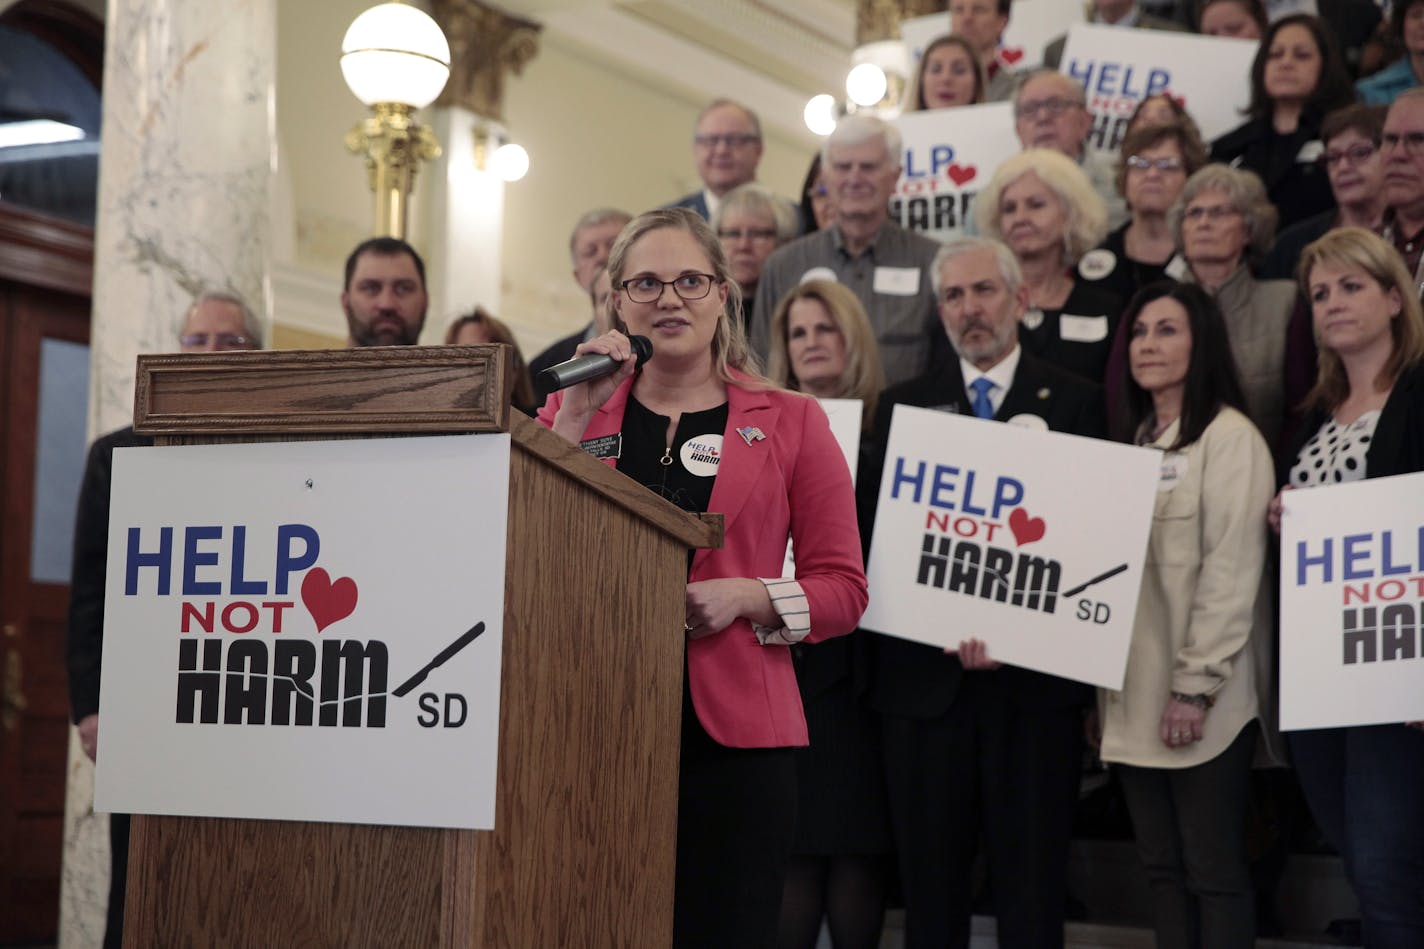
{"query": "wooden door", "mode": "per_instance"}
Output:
(44, 334)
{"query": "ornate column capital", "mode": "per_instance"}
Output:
(880, 19)
(485, 45)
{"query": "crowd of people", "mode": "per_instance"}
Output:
(1248, 306)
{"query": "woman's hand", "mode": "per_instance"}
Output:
(583, 400)
(1181, 724)
(974, 655)
(713, 605)
(1273, 513)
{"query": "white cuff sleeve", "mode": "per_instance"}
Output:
(789, 601)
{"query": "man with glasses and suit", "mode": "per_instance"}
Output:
(726, 146)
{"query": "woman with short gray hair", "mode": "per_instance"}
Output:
(751, 222)
(1223, 221)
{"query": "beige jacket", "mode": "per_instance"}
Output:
(1202, 597)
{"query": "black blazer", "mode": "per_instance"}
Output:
(1298, 189)
(84, 645)
(1398, 443)
(920, 681)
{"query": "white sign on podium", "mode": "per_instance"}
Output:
(306, 631)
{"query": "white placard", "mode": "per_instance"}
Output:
(949, 155)
(1033, 24)
(1211, 75)
(269, 611)
(1352, 591)
(1030, 540)
(844, 416)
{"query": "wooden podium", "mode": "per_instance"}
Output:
(582, 853)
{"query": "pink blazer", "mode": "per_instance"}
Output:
(792, 483)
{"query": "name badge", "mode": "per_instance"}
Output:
(607, 446)
(1177, 267)
(1174, 469)
(897, 281)
(701, 454)
(1310, 152)
(1083, 329)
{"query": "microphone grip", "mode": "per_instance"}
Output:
(592, 366)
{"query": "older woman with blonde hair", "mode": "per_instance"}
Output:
(1043, 206)
(1365, 784)
(1223, 222)
(949, 74)
(822, 344)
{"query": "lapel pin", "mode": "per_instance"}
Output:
(1044, 393)
(750, 433)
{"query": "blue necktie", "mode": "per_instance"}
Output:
(983, 408)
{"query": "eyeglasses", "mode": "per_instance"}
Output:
(688, 286)
(1357, 155)
(1138, 163)
(751, 233)
(223, 340)
(1413, 142)
(1217, 212)
(1053, 108)
(740, 140)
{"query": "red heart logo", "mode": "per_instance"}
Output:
(959, 174)
(1180, 100)
(1026, 529)
(326, 601)
(1011, 55)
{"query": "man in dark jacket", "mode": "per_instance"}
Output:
(214, 323)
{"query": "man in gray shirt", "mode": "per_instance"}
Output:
(886, 266)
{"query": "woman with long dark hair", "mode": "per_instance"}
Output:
(1182, 732)
(1296, 79)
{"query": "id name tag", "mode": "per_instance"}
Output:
(604, 447)
(897, 281)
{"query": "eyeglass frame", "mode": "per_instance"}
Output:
(224, 340)
(1358, 154)
(1164, 164)
(664, 284)
(754, 233)
(1056, 106)
(732, 140)
(1217, 212)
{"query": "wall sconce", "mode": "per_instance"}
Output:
(396, 60)
(494, 152)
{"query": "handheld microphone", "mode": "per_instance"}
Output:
(592, 366)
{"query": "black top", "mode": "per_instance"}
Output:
(1398, 444)
(1127, 276)
(1077, 336)
(1281, 261)
(663, 470)
(1288, 165)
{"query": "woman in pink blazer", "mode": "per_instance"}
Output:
(699, 426)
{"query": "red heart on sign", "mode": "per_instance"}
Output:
(326, 601)
(1026, 529)
(959, 174)
(1180, 100)
(1011, 55)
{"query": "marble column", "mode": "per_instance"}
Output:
(185, 180)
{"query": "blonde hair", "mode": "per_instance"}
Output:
(729, 342)
(862, 378)
(1354, 248)
(1087, 215)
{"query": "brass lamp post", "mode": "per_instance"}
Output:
(396, 60)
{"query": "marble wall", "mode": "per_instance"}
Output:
(184, 206)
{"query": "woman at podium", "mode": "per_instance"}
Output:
(699, 426)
